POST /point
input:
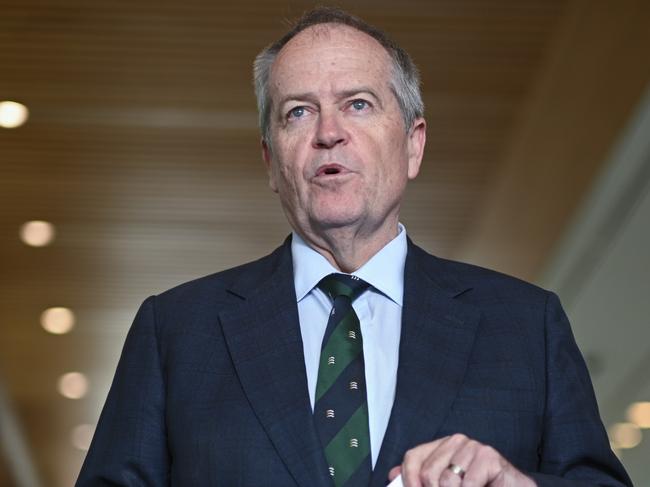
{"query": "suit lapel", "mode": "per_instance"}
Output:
(436, 340)
(261, 328)
(263, 336)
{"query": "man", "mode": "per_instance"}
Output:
(462, 376)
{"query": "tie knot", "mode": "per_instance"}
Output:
(336, 285)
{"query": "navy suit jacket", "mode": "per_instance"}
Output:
(211, 388)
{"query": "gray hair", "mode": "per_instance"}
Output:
(405, 82)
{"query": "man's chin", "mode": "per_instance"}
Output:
(336, 220)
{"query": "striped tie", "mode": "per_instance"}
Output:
(341, 408)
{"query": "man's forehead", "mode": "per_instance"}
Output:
(335, 45)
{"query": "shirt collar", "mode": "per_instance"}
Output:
(384, 271)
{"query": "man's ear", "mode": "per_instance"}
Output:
(417, 138)
(267, 155)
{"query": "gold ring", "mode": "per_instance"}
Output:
(457, 469)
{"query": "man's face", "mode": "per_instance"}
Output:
(340, 154)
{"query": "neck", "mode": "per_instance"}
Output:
(347, 249)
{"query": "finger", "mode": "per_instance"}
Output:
(450, 479)
(454, 473)
(413, 459)
(485, 466)
(394, 472)
(436, 463)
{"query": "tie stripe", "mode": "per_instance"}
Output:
(355, 398)
(340, 451)
(341, 410)
(341, 347)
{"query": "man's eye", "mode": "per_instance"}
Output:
(296, 112)
(359, 104)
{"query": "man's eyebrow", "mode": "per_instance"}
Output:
(359, 91)
(307, 96)
(312, 97)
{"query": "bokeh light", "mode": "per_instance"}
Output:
(639, 414)
(12, 114)
(625, 435)
(82, 435)
(37, 233)
(73, 385)
(57, 320)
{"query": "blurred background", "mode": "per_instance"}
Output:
(130, 162)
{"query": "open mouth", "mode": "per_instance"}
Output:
(330, 170)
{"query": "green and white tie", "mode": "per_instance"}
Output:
(341, 406)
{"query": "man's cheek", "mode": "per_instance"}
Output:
(273, 177)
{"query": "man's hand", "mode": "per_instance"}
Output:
(455, 461)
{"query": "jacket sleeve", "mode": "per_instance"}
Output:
(129, 447)
(575, 450)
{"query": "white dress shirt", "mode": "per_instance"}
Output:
(380, 314)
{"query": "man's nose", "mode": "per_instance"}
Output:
(329, 131)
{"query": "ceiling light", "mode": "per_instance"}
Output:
(12, 114)
(625, 435)
(37, 233)
(57, 320)
(639, 414)
(73, 385)
(82, 435)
